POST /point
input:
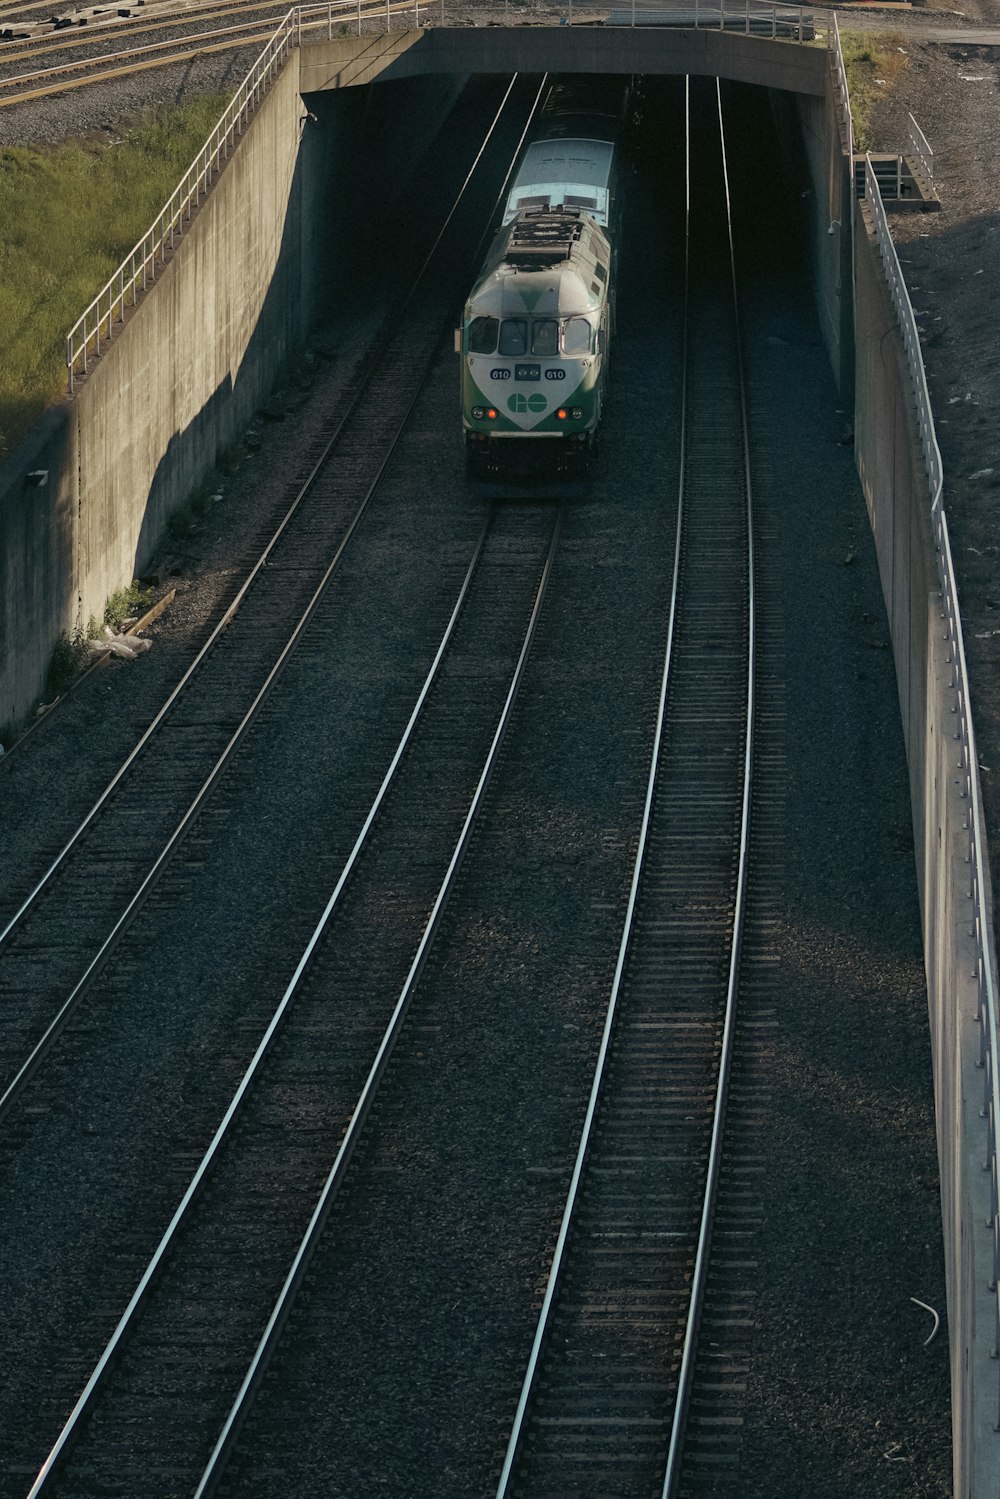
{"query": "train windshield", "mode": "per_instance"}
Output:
(514, 336)
(483, 335)
(545, 336)
(576, 336)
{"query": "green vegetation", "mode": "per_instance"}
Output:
(70, 215)
(68, 657)
(126, 602)
(873, 62)
(72, 652)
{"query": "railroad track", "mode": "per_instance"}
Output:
(181, 787)
(65, 31)
(434, 1238)
(120, 62)
(643, 1337)
(229, 1265)
(130, 835)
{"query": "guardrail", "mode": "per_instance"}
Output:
(767, 18)
(841, 89)
(920, 151)
(911, 339)
(982, 932)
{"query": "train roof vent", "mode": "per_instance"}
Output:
(572, 201)
(541, 239)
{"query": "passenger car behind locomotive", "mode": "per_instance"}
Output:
(536, 330)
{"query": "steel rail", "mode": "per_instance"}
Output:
(48, 89)
(12, 14)
(14, 10)
(133, 25)
(700, 1275)
(208, 41)
(519, 1425)
(507, 1482)
(100, 959)
(73, 1424)
(250, 29)
(252, 32)
(214, 1470)
(58, 1023)
(261, 562)
(72, 1427)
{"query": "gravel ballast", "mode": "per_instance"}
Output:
(844, 1398)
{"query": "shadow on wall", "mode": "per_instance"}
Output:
(345, 240)
(99, 517)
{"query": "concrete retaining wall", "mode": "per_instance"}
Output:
(184, 376)
(868, 358)
(178, 384)
(813, 161)
(890, 463)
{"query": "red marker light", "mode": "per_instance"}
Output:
(492, 413)
(561, 413)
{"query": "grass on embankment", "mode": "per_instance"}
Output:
(70, 214)
(874, 61)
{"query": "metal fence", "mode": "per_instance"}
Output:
(968, 765)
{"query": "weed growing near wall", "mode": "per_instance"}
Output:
(873, 62)
(125, 602)
(70, 215)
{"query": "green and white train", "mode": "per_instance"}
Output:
(537, 325)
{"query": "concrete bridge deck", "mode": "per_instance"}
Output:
(349, 61)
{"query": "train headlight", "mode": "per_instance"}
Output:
(576, 413)
(478, 412)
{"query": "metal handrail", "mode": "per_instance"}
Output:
(921, 150)
(911, 338)
(968, 764)
(138, 268)
(843, 92)
(782, 21)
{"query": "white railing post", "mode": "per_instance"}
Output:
(921, 149)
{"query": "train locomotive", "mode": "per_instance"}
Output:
(537, 325)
